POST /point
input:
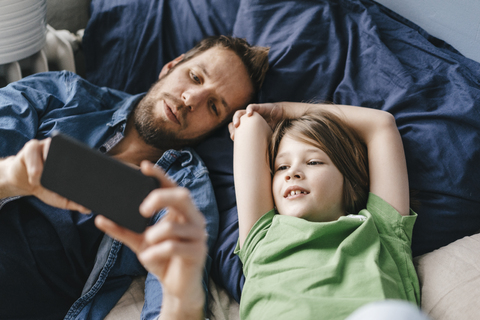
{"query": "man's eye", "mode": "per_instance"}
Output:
(194, 77)
(214, 108)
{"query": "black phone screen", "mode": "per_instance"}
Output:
(97, 181)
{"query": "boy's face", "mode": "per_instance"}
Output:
(195, 97)
(306, 183)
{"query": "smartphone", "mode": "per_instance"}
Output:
(97, 181)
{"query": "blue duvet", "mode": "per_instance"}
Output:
(348, 52)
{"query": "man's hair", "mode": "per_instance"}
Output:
(328, 132)
(255, 58)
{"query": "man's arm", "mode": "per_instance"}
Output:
(22, 105)
(20, 176)
(192, 175)
(174, 249)
(19, 118)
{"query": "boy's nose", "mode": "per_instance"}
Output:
(293, 174)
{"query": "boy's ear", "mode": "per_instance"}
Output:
(170, 65)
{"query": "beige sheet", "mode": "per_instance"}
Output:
(449, 278)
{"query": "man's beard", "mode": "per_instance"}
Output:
(152, 129)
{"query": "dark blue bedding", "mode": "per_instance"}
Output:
(350, 52)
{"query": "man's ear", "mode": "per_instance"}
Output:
(170, 65)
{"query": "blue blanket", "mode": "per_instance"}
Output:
(349, 52)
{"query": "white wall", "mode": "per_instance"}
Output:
(455, 21)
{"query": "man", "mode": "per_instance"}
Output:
(67, 266)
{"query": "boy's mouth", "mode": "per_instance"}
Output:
(294, 191)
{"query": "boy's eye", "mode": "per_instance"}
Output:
(314, 162)
(282, 168)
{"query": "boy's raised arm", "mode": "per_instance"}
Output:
(253, 183)
(376, 128)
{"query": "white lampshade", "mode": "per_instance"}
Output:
(23, 28)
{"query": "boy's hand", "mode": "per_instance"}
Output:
(271, 112)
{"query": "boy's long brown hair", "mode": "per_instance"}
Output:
(329, 133)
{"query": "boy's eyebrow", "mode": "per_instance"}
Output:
(222, 99)
(308, 151)
(280, 155)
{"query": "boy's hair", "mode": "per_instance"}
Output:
(255, 58)
(329, 133)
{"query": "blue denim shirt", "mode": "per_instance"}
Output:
(35, 106)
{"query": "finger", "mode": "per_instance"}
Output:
(155, 171)
(264, 109)
(56, 200)
(62, 202)
(192, 251)
(231, 129)
(46, 146)
(236, 117)
(76, 207)
(275, 111)
(250, 109)
(178, 199)
(32, 159)
(129, 238)
(171, 230)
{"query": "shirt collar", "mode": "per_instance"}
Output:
(126, 107)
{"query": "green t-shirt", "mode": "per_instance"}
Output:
(297, 269)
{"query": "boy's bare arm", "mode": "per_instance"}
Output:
(253, 183)
(376, 128)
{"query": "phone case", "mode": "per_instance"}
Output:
(97, 181)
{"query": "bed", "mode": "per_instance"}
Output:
(355, 52)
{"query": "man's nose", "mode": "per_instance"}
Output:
(194, 98)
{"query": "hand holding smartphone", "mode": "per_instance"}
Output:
(96, 181)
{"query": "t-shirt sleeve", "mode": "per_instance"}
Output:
(256, 234)
(389, 221)
(395, 232)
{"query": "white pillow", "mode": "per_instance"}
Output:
(131, 303)
(450, 280)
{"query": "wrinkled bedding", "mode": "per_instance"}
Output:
(348, 52)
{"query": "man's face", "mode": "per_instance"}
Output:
(193, 99)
